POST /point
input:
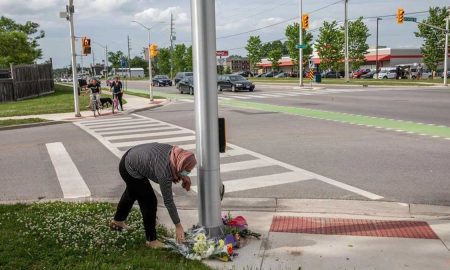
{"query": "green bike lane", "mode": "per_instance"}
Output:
(394, 125)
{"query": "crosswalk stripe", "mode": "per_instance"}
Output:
(113, 124)
(135, 130)
(261, 181)
(225, 98)
(168, 140)
(105, 120)
(238, 97)
(128, 126)
(144, 135)
(70, 179)
(237, 166)
(187, 146)
(110, 121)
(187, 100)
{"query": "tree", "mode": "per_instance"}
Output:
(433, 48)
(179, 55)
(358, 33)
(329, 46)
(139, 62)
(227, 70)
(115, 58)
(292, 35)
(254, 51)
(275, 55)
(162, 61)
(19, 42)
(188, 59)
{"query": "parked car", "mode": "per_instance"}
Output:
(427, 74)
(270, 74)
(244, 73)
(234, 82)
(186, 85)
(161, 80)
(357, 74)
(181, 75)
(333, 74)
(282, 75)
(387, 73)
(448, 75)
(368, 75)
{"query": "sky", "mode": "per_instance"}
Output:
(109, 22)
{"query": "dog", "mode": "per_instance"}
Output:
(106, 101)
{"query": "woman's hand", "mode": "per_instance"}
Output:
(179, 231)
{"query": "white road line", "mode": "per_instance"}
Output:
(261, 181)
(186, 100)
(241, 165)
(143, 135)
(70, 180)
(129, 126)
(109, 121)
(105, 120)
(238, 97)
(187, 146)
(268, 95)
(224, 98)
(137, 121)
(128, 131)
(287, 94)
(168, 140)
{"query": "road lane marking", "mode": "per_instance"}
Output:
(109, 121)
(261, 181)
(127, 127)
(70, 179)
(106, 120)
(144, 135)
(150, 129)
(168, 140)
(114, 124)
(259, 160)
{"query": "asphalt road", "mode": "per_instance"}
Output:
(400, 167)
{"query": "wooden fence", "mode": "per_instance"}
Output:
(27, 81)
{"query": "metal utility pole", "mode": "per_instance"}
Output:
(347, 79)
(106, 57)
(150, 75)
(206, 114)
(129, 49)
(376, 49)
(171, 44)
(70, 10)
(300, 62)
(446, 50)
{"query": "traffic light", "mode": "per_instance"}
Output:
(153, 50)
(305, 21)
(400, 15)
(86, 45)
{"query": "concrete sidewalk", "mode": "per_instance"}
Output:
(334, 235)
(134, 103)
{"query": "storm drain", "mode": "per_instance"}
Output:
(354, 227)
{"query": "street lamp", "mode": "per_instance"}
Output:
(377, 65)
(149, 59)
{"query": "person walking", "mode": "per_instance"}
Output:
(117, 90)
(163, 164)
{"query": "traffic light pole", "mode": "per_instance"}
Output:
(300, 61)
(446, 51)
(71, 10)
(347, 79)
(150, 75)
(206, 115)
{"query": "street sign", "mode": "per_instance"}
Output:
(123, 63)
(301, 46)
(410, 19)
(221, 53)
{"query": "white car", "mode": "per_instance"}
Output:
(387, 73)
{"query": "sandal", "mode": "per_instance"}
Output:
(116, 227)
(154, 244)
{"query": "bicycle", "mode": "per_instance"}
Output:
(94, 105)
(115, 105)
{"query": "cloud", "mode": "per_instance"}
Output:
(154, 15)
(25, 7)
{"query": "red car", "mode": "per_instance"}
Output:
(357, 74)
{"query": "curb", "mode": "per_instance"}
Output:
(300, 206)
(50, 122)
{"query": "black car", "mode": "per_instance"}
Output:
(161, 80)
(244, 73)
(181, 75)
(186, 85)
(368, 75)
(333, 74)
(234, 82)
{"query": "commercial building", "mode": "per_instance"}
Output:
(134, 72)
(237, 63)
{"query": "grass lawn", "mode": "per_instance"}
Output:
(59, 102)
(11, 122)
(76, 236)
(144, 95)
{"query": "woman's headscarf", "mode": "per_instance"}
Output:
(182, 160)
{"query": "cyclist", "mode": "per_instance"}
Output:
(117, 90)
(95, 89)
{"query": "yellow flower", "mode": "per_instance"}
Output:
(221, 243)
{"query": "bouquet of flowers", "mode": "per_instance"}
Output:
(198, 246)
